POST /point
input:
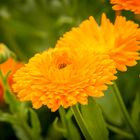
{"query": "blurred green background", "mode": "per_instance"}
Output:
(31, 26)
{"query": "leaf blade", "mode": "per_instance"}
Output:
(94, 120)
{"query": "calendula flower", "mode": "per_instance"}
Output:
(63, 77)
(133, 5)
(119, 40)
(9, 65)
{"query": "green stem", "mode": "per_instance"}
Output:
(64, 121)
(119, 131)
(62, 115)
(3, 79)
(81, 122)
(123, 109)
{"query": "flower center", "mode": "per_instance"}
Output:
(61, 61)
(62, 65)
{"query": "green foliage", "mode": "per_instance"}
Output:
(31, 26)
(109, 107)
(73, 130)
(94, 120)
(35, 122)
(18, 115)
(66, 126)
(136, 112)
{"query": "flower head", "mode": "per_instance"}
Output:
(9, 65)
(63, 77)
(133, 5)
(119, 40)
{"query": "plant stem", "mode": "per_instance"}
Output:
(123, 109)
(64, 121)
(81, 122)
(120, 131)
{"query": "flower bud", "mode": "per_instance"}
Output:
(5, 53)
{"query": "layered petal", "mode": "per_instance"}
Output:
(132, 5)
(63, 77)
(119, 40)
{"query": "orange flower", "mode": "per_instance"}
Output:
(9, 65)
(1, 92)
(120, 41)
(133, 5)
(63, 77)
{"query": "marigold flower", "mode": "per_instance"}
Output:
(63, 77)
(133, 5)
(9, 65)
(120, 41)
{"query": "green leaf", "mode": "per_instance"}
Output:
(36, 128)
(12, 101)
(20, 132)
(57, 126)
(23, 110)
(109, 106)
(136, 112)
(94, 120)
(72, 130)
(54, 133)
(6, 117)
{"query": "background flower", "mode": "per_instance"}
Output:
(63, 77)
(120, 41)
(9, 65)
(133, 5)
